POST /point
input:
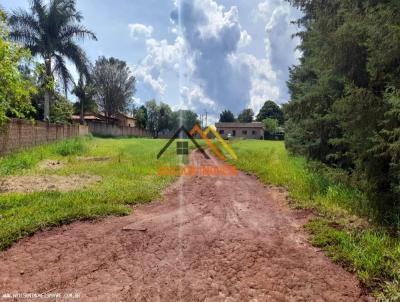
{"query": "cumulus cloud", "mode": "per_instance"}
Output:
(138, 31)
(213, 35)
(161, 56)
(280, 47)
(209, 57)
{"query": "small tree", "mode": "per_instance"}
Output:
(141, 117)
(61, 109)
(270, 125)
(226, 116)
(246, 116)
(85, 92)
(271, 110)
(114, 84)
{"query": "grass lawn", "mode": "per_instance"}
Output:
(128, 177)
(344, 225)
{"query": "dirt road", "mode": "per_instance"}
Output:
(208, 239)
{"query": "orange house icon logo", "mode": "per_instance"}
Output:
(182, 147)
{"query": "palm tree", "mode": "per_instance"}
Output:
(85, 92)
(51, 31)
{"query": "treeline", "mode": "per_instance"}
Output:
(345, 93)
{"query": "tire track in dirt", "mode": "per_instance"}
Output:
(207, 239)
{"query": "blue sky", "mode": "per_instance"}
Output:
(205, 55)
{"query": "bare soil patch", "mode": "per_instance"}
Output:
(207, 239)
(27, 184)
(51, 164)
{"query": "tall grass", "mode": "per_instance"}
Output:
(346, 226)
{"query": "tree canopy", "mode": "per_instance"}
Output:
(246, 116)
(226, 116)
(114, 84)
(345, 92)
(270, 110)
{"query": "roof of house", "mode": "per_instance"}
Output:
(239, 125)
(86, 117)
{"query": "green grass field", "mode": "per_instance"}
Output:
(344, 225)
(129, 176)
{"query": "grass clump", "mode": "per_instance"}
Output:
(15, 162)
(348, 227)
(75, 146)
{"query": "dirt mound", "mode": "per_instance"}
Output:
(26, 184)
(208, 239)
(50, 164)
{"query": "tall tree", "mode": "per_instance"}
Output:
(114, 84)
(246, 116)
(226, 116)
(270, 110)
(344, 92)
(153, 117)
(51, 31)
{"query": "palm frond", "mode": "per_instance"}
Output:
(76, 31)
(76, 54)
(62, 72)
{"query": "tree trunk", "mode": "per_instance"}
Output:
(82, 114)
(47, 90)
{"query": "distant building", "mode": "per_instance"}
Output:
(242, 130)
(119, 119)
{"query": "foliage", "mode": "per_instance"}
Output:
(60, 110)
(114, 85)
(270, 110)
(186, 118)
(51, 31)
(270, 125)
(15, 90)
(226, 116)
(246, 116)
(141, 117)
(159, 117)
(85, 92)
(343, 108)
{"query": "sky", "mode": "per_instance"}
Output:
(203, 55)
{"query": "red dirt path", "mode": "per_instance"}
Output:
(207, 239)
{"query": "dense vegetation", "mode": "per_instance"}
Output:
(345, 95)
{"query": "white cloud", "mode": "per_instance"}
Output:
(210, 60)
(245, 39)
(161, 56)
(138, 31)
